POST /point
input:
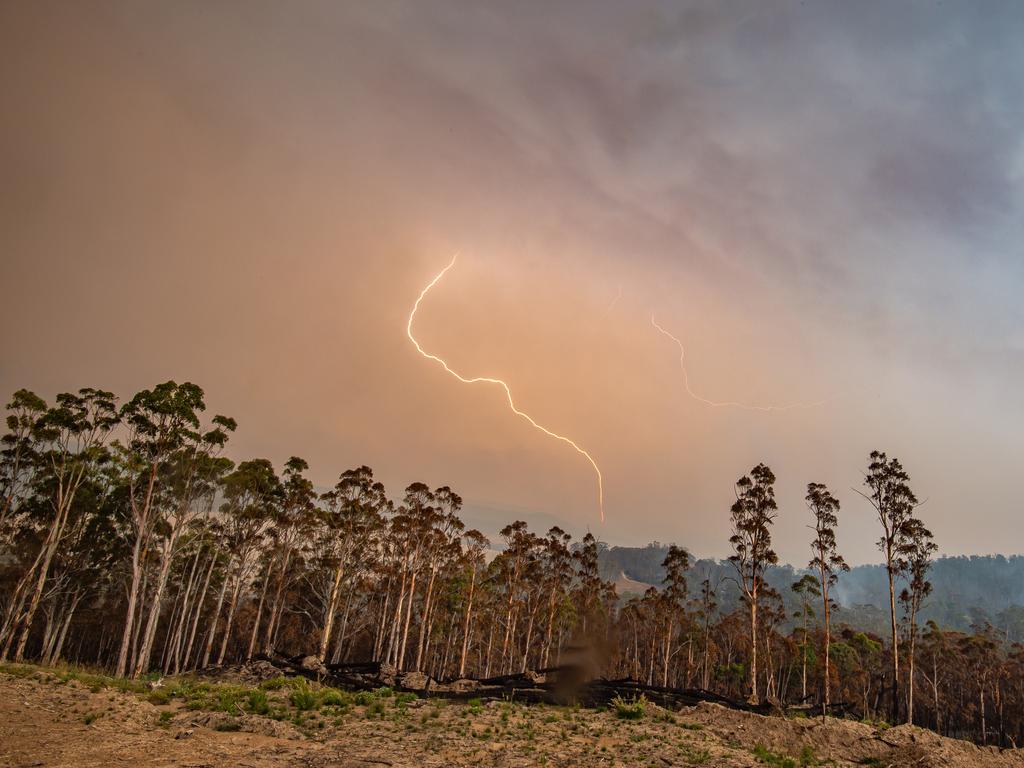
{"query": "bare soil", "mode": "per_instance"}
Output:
(47, 722)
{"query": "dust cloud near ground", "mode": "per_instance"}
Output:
(57, 719)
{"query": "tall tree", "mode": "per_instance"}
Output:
(894, 503)
(673, 598)
(70, 444)
(753, 513)
(827, 563)
(805, 588)
(918, 554)
(159, 421)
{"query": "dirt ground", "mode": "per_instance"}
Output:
(48, 722)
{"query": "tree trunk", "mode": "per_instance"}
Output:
(214, 620)
(754, 699)
(465, 626)
(141, 519)
(166, 558)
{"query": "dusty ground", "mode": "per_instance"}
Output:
(49, 721)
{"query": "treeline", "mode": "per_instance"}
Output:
(129, 540)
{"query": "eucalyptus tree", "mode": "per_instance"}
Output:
(557, 574)
(18, 458)
(293, 524)
(511, 569)
(752, 515)
(69, 446)
(708, 606)
(672, 600)
(160, 421)
(474, 559)
(589, 584)
(805, 588)
(894, 502)
(918, 556)
(352, 515)
(442, 545)
(189, 484)
(251, 494)
(827, 564)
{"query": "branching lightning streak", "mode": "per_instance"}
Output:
(502, 384)
(729, 403)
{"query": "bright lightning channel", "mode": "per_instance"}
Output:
(503, 385)
(728, 403)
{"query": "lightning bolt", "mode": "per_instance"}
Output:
(502, 384)
(729, 403)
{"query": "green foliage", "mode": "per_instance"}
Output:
(91, 717)
(632, 708)
(159, 696)
(304, 699)
(332, 697)
(770, 758)
(165, 719)
(275, 683)
(258, 704)
(228, 725)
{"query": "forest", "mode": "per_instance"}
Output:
(129, 540)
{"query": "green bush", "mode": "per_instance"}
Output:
(258, 702)
(630, 709)
(274, 683)
(303, 699)
(770, 758)
(332, 697)
(228, 725)
(159, 696)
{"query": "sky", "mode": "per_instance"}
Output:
(821, 200)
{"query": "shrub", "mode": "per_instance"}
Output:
(159, 696)
(228, 725)
(332, 697)
(630, 709)
(303, 699)
(770, 758)
(274, 683)
(258, 702)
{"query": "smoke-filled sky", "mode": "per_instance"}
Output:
(822, 200)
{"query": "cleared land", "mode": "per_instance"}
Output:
(66, 717)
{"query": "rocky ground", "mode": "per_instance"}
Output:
(72, 718)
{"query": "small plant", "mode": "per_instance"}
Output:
(692, 726)
(258, 704)
(770, 758)
(630, 709)
(159, 696)
(476, 706)
(332, 697)
(228, 725)
(807, 758)
(165, 719)
(303, 699)
(274, 683)
(91, 717)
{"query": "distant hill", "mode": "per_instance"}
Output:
(968, 590)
